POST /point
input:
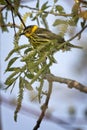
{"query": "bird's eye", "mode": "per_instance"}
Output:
(26, 31)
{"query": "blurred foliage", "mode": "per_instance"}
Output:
(35, 62)
(85, 113)
(72, 110)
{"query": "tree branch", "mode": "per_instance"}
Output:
(44, 107)
(71, 83)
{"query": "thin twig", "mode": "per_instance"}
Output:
(77, 34)
(3, 7)
(44, 107)
(71, 83)
(11, 25)
(18, 14)
(13, 21)
(45, 12)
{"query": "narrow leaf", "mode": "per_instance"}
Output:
(40, 72)
(40, 90)
(20, 97)
(55, 1)
(10, 82)
(11, 76)
(16, 49)
(29, 76)
(37, 4)
(44, 21)
(27, 50)
(58, 22)
(11, 62)
(44, 6)
(13, 69)
(59, 8)
(27, 85)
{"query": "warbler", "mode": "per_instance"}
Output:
(41, 36)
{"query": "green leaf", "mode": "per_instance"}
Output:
(20, 97)
(27, 85)
(40, 90)
(35, 17)
(29, 75)
(59, 22)
(75, 9)
(40, 72)
(27, 50)
(30, 55)
(11, 62)
(2, 22)
(16, 4)
(9, 55)
(71, 22)
(44, 6)
(37, 4)
(44, 21)
(2, 2)
(52, 59)
(13, 69)
(15, 50)
(38, 23)
(59, 8)
(55, 1)
(8, 80)
(21, 83)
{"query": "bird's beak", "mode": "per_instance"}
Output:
(21, 34)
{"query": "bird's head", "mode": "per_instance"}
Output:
(29, 30)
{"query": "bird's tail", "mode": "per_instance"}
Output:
(66, 46)
(74, 46)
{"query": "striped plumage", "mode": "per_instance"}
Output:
(39, 36)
